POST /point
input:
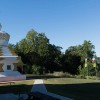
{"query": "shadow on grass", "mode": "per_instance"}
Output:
(86, 91)
(82, 91)
(41, 77)
(16, 89)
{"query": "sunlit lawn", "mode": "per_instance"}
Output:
(16, 87)
(78, 89)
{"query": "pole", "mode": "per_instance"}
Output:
(96, 72)
(94, 64)
(87, 72)
(86, 65)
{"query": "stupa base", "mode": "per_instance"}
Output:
(12, 76)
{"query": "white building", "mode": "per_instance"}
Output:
(10, 63)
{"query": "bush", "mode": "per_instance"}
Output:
(62, 74)
(37, 69)
(98, 74)
(80, 77)
(80, 70)
(86, 71)
(27, 69)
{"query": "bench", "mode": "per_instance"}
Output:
(40, 96)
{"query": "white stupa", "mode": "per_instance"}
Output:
(9, 61)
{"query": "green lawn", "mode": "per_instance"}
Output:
(78, 89)
(16, 87)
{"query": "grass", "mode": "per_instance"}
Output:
(78, 89)
(16, 87)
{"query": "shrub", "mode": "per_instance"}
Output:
(62, 74)
(98, 74)
(27, 69)
(86, 71)
(37, 69)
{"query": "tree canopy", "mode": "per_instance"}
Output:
(36, 50)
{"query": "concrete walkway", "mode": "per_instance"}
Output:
(40, 87)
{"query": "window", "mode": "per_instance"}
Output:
(8, 67)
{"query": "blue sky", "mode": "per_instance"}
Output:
(65, 22)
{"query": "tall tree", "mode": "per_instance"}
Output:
(87, 50)
(71, 59)
(35, 49)
(75, 55)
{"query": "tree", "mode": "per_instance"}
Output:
(75, 56)
(52, 61)
(87, 50)
(71, 59)
(35, 49)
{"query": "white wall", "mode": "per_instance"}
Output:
(6, 51)
(3, 42)
(9, 59)
(5, 67)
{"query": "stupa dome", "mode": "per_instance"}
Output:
(4, 37)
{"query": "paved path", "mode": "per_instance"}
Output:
(40, 87)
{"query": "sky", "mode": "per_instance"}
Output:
(65, 22)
